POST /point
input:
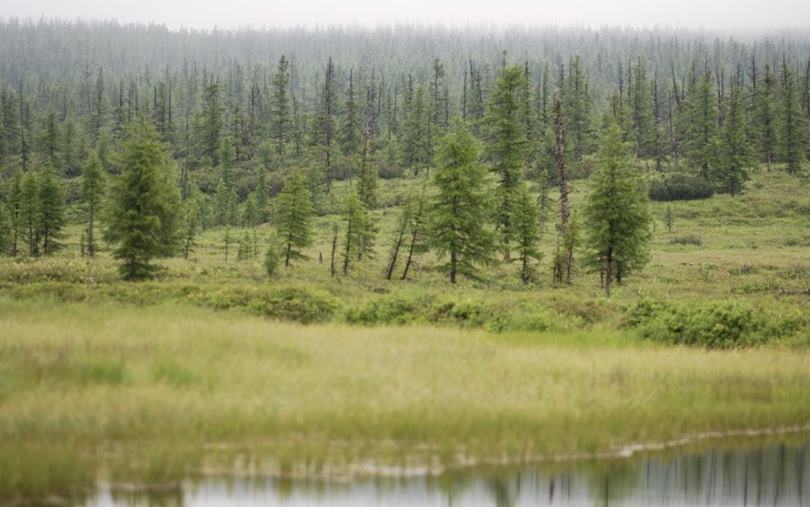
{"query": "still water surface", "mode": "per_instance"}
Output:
(773, 475)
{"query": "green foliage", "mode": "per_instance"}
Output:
(292, 218)
(5, 230)
(295, 304)
(272, 256)
(680, 186)
(793, 132)
(735, 158)
(144, 204)
(714, 324)
(507, 147)
(617, 213)
(358, 238)
(93, 186)
(690, 239)
(527, 232)
(459, 209)
(50, 211)
(699, 125)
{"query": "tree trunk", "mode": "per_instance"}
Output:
(91, 247)
(453, 263)
(608, 271)
(565, 210)
(332, 263)
(389, 271)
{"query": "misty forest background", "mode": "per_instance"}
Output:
(241, 112)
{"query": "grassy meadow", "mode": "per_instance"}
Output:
(212, 365)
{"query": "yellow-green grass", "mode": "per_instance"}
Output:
(152, 392)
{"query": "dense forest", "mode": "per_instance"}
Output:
(191, 130)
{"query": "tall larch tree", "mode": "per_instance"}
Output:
(142, 218)
(792, 122)
(280, 114)
(616, 212)
(93, 186)
(292, 218)
(735, 157)
(507, 148)
(459, 211)
(51, 211)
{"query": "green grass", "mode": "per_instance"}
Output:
(139, 392)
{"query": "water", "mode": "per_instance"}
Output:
(774, 475)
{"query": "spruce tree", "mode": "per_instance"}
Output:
(51, 211)
(792, 131)
(527, 232)
(293, 218)
(735, 156)
(416, 148)
(210, 124)
(616, 212)
(459, 210)
(349, 130)
(280, 114)
(29, 212)
(190, 224)
(577, 105)
(507, 148)
(14, 208)
(700, 138)
(359, 230)
(5, 230)
(92, 194)
(765, 117)
(144, 203)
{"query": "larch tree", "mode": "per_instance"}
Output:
(29, 212)
(735, 157)
(210, 124)
(359, 232)
(765, 117)
(142, 219)
(93, 184)
(293, 218)
(507, 148)
(459, 210)
(616, 212)
(14, 204)
(527, 232)
(280, 114)
(793, 123)
(51, 211)
(700, 136)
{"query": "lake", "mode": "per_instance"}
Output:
(773, 474)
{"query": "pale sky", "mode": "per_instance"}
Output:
(708, 14)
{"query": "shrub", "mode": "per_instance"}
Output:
(711, 324)
(680, 187)
(686, 240)
(295, 304)
(385, 310)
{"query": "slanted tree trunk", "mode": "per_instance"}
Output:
(389, 271)
(415, 231)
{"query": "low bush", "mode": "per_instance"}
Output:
(295, 304)
(680, 187)
(712, 324)
(686, 240)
